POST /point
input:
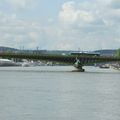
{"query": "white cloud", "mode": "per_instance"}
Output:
(90, 25)
(64, 46)
(71, 14)
(21, 4)
(15, 32)
(86, 25)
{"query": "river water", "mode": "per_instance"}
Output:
(56, 93)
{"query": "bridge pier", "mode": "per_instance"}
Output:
(79, 66)
(79, 70)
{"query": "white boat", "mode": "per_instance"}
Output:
(7, 62)
(105, 66)
(26, 64)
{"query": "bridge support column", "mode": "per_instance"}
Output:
(80, 69)
(79, 66)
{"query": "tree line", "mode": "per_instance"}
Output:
(118, 53)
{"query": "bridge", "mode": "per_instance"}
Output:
(77, 60)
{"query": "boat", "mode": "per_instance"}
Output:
(104, 66)
(7, 62)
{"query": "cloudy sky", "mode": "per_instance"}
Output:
(60, 24)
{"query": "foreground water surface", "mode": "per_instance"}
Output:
(56, 93)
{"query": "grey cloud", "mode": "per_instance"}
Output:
(115, 4)
(21, 4)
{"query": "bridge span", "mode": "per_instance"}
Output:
(76, 60)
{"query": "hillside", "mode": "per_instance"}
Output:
(107, 52)
(7, 49)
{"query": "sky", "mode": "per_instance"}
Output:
(60, 24)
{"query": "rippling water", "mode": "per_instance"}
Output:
(56, 93)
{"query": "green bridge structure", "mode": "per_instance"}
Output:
(77, 60)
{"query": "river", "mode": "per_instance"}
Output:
(56, 93)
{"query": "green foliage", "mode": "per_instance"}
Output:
(118, 53)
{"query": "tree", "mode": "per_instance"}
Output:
(118, 53)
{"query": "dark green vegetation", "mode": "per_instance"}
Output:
(118, 53)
